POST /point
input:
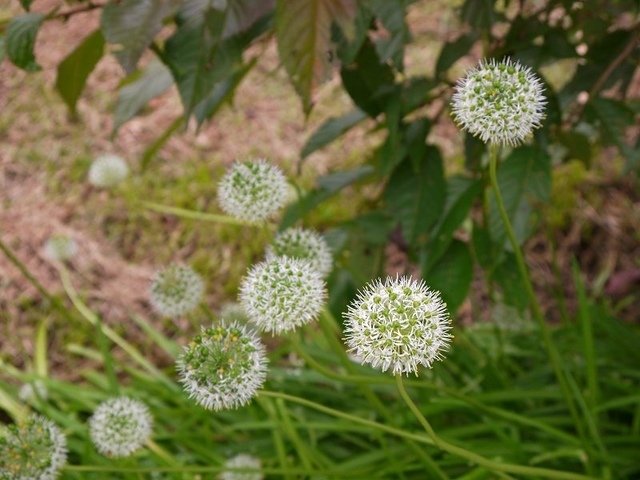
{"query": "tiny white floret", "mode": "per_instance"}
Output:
(108, 171)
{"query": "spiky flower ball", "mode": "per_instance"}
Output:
(223, 367)
(239, 462)
(107, 171)
(282, 294)
(499, 102)
(253, 191)
(60, 248)
(120, 426)
(176, 290)
(399, 324)
(35, 449)
(32, 391)
(304, 244)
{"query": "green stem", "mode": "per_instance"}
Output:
(533, 301)
(474, 457)
(267, 406)
(195, 215)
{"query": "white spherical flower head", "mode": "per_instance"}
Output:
(120, 426)
(282, 294)
(304, 244)
(399, 324)
(60, 248)
(35, 449)
(32, 391)
(239, 462)
(108, 171)
(253, 191)
(499, 102)
(176, 290)
(223, 367)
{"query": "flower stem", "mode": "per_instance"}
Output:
(554, 356)
(474, 457)
(195, 215)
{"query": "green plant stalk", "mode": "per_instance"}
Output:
(195, 215)
(303, 453)
(330, 328)
(268, 407)
(474, 457)
(450, 448)
(554, 356)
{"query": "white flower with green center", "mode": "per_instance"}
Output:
(499, 102)
(223, 367)
(60, 248)
(398, 325)
(303, 244)
(35, 449)
(176, 290)
(108, 171)
(253, 191)
(33, 391)
(120, 426)
(282, 294)
(239, 462)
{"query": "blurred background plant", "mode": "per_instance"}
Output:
(378, 166)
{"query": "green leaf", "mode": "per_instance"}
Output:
(453, 51)
(416, 192)
(452, 275)
(461, 193)
(369, 81)
(133, 96)
(20, 38)
(484, 249)
(222, 92)
(391, 14)
(3, 50)
(480, 14)
(507, 277)
(74, 70)
(524, 177)
(26, 4)
(199, 58)
(133, 24)
(240, 14)
(327, 186)
(331, 129)
(577, 144)
(303, 31)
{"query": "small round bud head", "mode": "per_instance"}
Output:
(60, 248)
(176, 290)
(233, 312)
(33, 391)
(34, 449)
(223, 367)
(398, 324)
(499, 102)
(108, 171)
(239, 462)
(253, 191)
(282, 294)
(303, 244)
(120, 426)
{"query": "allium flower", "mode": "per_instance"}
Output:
(108, 171)
(253, 191)
(398, 324)
(233, 312)
(223, 367)
(304, 244)
(60, 248)
(31, 391)
(282, 294)
(35, 449)
(176, 290)
(242, 461)
(120, 426)
(500, 102)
